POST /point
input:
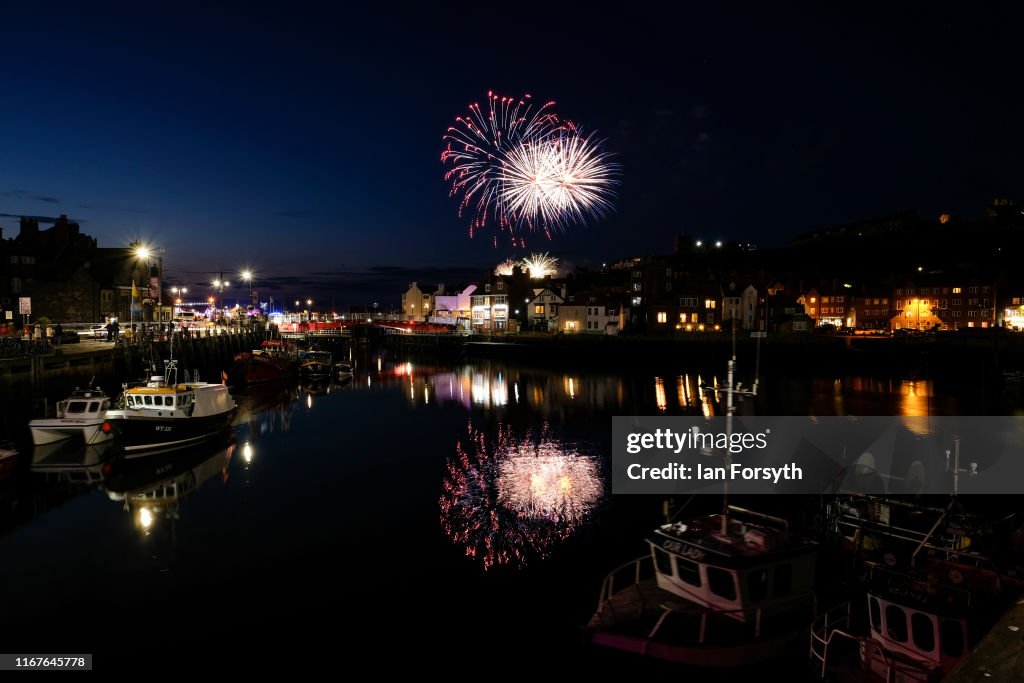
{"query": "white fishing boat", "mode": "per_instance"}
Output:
(79, 415)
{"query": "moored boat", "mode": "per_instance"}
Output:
(927, 597)
(343, 371)
(725, 590)
(80, 414)
(164, 413)
(275, 362)
(316, 364)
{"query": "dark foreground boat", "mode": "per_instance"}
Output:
(724, 590)
(166, 414)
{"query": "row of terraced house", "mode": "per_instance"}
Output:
(655, 295)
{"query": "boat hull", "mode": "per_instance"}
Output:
(141, 434)
(255, 370)
(52, 431)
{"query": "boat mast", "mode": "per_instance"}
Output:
(730, 409)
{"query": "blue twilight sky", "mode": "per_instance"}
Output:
(303, 140)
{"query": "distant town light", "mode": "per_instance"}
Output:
(700, 243)
(142, 252)
(847, 285)
(718, 243)
(919, 269)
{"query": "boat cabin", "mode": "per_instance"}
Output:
(83, 404)
(922, 621)
(755, 569)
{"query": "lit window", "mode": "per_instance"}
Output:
(662, 317)
(956, 290)
(539, 309)
(709, 303)
(682, 317)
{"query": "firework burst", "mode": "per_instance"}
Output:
(539, 266)
(507, 500)
(559, 180)
(506, 267)
(522, 168)
(477, 148)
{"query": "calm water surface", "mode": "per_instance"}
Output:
(455, 515)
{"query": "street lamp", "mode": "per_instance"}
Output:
(247, 276)
(144, 253)
(219, 284)
(177, 292)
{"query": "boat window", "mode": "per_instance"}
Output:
(952, 638)
(721, 583)
(783, 580)
(149, 400)
(688, 571)
(757, 585)
(896, 623)
(105, 406)
(923, 631)
(168, 400)
(876, 614)
(94, 406)
(664, 562)
(76, 407)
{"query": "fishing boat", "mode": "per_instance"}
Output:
(275, 362)
(79, 415)
(928, 593)
(316, 364)
(164, 413)
(725, 590)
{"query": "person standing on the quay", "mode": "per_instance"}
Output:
(58, 334)
(110, 330)
(115, 330)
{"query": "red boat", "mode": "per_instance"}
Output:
(275, 362)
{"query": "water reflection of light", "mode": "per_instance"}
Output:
(681, 391)
(488, 391)
(914, 398)
(145, 518)
(378, 363)
(516, 387)
(426, 394)
(508, 499)
(659, 394)
(570, 386)
(247, 452)
(309, 400)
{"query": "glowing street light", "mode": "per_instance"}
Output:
(247, 276)
(219, 284)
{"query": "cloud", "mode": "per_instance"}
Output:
(109, 207)
(294, 213)
(41, 219)
(25, 194)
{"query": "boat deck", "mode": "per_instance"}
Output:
(647, 620)
(1000, 654)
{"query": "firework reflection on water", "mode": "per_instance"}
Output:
(510, 499)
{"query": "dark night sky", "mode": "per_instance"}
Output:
(304, 142)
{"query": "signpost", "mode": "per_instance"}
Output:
(761, 334)
(25, 308)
